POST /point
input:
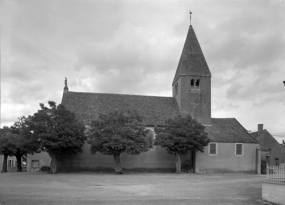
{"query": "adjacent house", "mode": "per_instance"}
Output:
(231, 149)
(271, 151)
(36, 161)
(11, 163)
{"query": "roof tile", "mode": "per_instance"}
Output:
(228, 130)
(192, 60)
(88, 106)
(154, 110)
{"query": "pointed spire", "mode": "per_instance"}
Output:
(65, 90)
(192, 60)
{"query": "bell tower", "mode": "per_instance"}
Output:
(192, 81)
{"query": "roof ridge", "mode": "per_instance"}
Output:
(120, 94)
(223, 118)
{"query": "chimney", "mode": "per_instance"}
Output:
(260, 129)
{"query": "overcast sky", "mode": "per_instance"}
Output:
(133, 47)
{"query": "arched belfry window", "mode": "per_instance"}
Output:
(192, 82)
(197, 83)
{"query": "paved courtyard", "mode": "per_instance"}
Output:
(137, 188)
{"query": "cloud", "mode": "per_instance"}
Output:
(133, 47)
(131, 57)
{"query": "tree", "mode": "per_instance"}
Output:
(24, 142)
(181, 135)
(58, 132)
(7, 145)
(118, 133)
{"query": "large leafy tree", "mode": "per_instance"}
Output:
(7, 145)
(181, 135)
(24, 142)
(118, 133)
(58, 132)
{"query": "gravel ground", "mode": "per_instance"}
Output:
(135, 188)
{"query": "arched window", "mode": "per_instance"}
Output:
(192, 82)
(197, 83)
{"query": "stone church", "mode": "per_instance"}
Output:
(231, 148)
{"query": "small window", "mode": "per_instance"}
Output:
(35, 163)
(10, 163)
(197, 83)
(212, 148)
(192, 83)
(239, 149)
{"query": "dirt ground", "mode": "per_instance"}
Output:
(138, 188)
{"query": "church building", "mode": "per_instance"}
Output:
(231, 148)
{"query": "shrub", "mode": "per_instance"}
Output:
(45, 168)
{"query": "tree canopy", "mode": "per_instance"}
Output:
(7, 145)
(24, 141)
(57, 131)
(181, 135)
(116, 133)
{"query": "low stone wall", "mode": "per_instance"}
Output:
(273, 192)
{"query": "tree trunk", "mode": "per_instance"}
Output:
(194, 161)
(19, 162)
(53, 164)
(118, 167)
(5, 161)
(177, 163)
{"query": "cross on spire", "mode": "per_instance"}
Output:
(65, 89)
(190, 12)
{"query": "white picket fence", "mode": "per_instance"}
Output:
(275, 173)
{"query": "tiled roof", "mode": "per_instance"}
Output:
(255, 135)
(88, 106)
(266, 140)
(155, 110)
(228, 130)
(192, 60)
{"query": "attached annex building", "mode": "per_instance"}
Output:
(272, 152)
(231, 149)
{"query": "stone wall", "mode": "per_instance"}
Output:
(226, 161)
(195, 101)
(156, 159)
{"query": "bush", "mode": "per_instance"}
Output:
(45, 168)
(187, 167)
